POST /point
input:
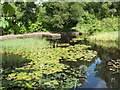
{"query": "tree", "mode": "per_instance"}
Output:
(17, 17)
(102, 9)
(61, 15)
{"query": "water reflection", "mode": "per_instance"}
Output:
(99, 74)
(12, 61)
(92, 80)
(112, 79)
(102, 76)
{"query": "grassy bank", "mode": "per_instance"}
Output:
(23, 45)
(105, 36)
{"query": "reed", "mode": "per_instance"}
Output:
(23, 45)
(105, 36)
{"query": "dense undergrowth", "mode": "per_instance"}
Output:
(104, 25)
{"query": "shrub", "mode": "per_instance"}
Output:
(37, 26)
(105, 25)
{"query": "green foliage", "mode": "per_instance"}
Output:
(37, 26)
(88, 18)
(104, 25)
(8, 9)
(107, 24)
(8, 21)
(23, 29)
(25, 17)
(61, 15)
(102, 9)
(3, 23)
(16, 17)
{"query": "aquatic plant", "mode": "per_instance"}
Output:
(63, 44)
(114, 65)
(44, 62)
(76, 39)
(105, 69)
(78, 52)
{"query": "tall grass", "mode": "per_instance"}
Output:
(23, 45)
(106, 44)
(105, 36)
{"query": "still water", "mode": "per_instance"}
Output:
(99, 75)
(92, 81)
(97, 71)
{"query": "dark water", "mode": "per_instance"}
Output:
(99, 75)
(97, 71)
(92, 81)
(12, 61)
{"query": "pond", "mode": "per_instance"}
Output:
(100, 75)
(80, 74)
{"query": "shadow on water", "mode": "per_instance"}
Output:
(13, 61)
(99, 74)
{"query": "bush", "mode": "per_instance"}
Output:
(37, 26)
(89, 18)
(105, 25)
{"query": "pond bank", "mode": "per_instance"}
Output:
(106, 36)
(47, 35)
(33, 35)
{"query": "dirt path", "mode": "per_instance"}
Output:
(32, 35)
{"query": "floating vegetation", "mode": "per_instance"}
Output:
(45, 62)
(78, 52)
(114, 65)
(63, 44)
(76, 39)
(68, 77)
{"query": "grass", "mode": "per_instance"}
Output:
(107, 44)
(105, 36)
(23, 45)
